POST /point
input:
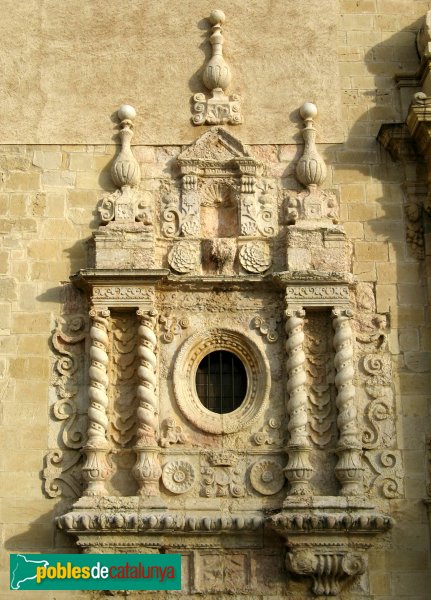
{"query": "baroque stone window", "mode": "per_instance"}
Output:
(257, 372)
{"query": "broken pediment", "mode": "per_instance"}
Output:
(217, 147)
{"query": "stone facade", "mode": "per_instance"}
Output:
(303, 253)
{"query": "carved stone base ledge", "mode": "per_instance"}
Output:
(126, 522)
(327, 539)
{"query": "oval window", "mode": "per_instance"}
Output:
(221, 382)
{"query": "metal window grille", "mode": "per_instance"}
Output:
(221, 382)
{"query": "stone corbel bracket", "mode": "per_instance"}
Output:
(219, 108)
(328, 543)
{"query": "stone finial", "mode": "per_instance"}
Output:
(216, 76)
(311, 168)
(125, 170)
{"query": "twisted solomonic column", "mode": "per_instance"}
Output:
(96, 469)
(349, 468)
(147, 470)
(299, 469)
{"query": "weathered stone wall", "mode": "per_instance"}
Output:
(48, 199)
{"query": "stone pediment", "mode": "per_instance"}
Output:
(216, 145)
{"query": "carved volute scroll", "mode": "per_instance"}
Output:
(216, 76)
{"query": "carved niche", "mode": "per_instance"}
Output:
(221, 211)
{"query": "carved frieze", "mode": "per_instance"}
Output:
(318, 295)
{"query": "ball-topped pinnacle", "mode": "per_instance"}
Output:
(126, 112)
(308, 110)
(217, 17)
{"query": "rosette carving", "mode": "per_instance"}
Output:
(125, 205)
(184, 257)
(267, 477)
(255, 257)
(178, 476)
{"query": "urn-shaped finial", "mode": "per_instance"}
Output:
(217, 73)
(125, 169)
(311, 168)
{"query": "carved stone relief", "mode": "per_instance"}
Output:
(267, 477)
(255, 257)
(258, 373)
(216, 77)
(178, 476)
(222, 475)
(62, 473)
(184, 256)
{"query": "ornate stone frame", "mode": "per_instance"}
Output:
(258, 380)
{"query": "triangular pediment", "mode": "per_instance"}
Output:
(216, 145)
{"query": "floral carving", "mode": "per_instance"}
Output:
(178, 476)
(184, 257)
(267, 477)
(68, 342)
(255, 257)
(176, 220)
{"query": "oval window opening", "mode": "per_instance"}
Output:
(221, 382)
